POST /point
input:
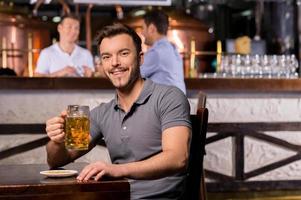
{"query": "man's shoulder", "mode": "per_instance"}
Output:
(104, 106)
(168, 90)
(82, 49)
(163, 45)
(50, 49)
(164, 42)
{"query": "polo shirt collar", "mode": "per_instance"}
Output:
(60, 50)
(146, 92)
(162, 40)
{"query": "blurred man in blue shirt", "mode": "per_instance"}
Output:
(162, 62)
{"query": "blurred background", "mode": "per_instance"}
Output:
(204, 31)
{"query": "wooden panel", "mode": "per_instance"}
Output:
(215, 84)
(25, 182)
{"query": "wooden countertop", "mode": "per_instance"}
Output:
(205, 84)
(25, 182)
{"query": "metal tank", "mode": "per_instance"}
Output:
(21, 39)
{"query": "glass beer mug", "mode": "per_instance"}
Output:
(77, 127)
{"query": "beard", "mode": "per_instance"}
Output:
(126, 82)
(147, 42)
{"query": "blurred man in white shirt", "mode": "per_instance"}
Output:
(66, 58)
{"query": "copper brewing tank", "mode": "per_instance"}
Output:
(21, 39)
(191, 37)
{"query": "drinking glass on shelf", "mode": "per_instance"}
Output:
(292, 65)
(259, 66)
(255, 65)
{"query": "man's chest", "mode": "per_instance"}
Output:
(136, 135)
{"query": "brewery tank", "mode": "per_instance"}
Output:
(21, 39)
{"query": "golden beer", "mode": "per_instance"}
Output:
(77, 130)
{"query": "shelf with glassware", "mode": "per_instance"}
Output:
(230, 65)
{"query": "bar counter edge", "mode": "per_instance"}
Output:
(205, 84)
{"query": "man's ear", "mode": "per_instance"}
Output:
(59, 27)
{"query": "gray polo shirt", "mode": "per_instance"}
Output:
(136, 135)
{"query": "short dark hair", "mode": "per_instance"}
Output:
(117, 29)
(7, 72)
(70, 16)
(159, 19)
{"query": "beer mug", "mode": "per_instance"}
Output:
(77, 127)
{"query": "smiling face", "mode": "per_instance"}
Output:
(69, 30)
(120, 61)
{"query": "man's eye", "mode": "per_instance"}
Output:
(125, 53)
(105, 57)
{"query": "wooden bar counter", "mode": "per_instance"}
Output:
(25, 182)
(224, 84)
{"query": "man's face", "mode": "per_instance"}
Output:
(120, 60)
(146, 32)
(69, 30)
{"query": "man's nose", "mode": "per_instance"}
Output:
(115, 60)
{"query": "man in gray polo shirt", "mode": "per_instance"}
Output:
(146, 127)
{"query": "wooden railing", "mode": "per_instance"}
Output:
(9, 129)
(238, 131)
(240, 180)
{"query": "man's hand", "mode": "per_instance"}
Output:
(66, 71)
(87, 71)
(98, 170)
(55, 128)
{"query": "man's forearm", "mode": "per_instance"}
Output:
(57, 154)
(173, 158)
(161, 165)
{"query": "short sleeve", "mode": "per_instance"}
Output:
(174, 109)
(90, 62)
(43, 63)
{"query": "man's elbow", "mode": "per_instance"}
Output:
(51, 164)
(182, 164)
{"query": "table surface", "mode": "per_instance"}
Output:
(26, 180)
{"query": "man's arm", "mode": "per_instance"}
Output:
(66, 71)
(57, 155)
(172, 159)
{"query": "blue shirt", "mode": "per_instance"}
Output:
(163, 64)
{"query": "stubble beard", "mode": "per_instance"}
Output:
(126, 85)
(147, 42)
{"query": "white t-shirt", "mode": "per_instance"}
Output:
(35, 1)
(53, 58)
